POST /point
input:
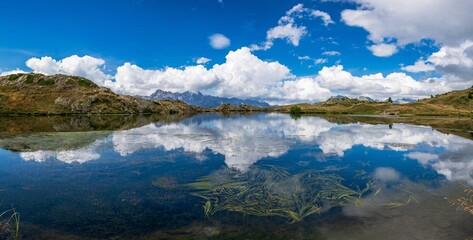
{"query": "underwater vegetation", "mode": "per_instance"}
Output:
(9, 225)
(276, 192)
(464, 203)
(167, 183)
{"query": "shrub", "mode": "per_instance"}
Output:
(85, 83)
(390, 100)
(30, 78)
(47, 82)
(470, 95)
(295, 110)
(14, 77)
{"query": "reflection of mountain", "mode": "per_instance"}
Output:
(244, 140)
(459, 126)
(67, 132)
(79, 155)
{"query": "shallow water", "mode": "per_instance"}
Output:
(262, 176)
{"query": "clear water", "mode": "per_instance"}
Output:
(262, 176)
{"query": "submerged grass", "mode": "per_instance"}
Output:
(275, 192)
(464, 203)
(10, 225)
(410, 198)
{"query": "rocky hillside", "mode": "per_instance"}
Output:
(60, 94)
(200, 100)
(345, 101)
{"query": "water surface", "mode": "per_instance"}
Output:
(262, 176)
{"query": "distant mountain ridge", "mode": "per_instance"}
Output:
(340, 99)
(200, 100)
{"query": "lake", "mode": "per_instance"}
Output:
(258, 176)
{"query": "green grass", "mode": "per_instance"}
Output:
(85, 83)
(47, 82)
(14, 77)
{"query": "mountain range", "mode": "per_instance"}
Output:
(200, 100)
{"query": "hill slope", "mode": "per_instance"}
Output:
(451, 103)
(200, 100)
(59, 94)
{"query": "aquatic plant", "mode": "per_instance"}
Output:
(464, 203)
(276, 192)
(396, 204)
(9, 225)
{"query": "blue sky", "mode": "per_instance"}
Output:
(159, 35)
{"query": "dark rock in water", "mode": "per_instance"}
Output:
(7, 229)
(166, 183)
(441, 222)
(201, 100)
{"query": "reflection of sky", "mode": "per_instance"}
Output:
(244, 140)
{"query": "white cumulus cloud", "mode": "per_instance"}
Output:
(383, 49)
(245, 75)
(86, 66)
(134, 80)
(203, 60)
(455, 62)
(378, 86)
(411, 21)
(405, 21)
(288, 30)
(219, 41)
(419, 66)
(242, 75)
(11, 72)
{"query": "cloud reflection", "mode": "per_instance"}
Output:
(244, 140)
